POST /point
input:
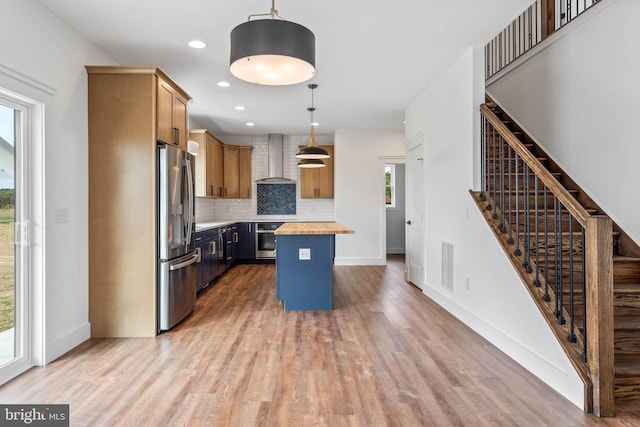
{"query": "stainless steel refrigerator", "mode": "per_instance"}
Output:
(176, 236)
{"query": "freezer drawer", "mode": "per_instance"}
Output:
(177, 290)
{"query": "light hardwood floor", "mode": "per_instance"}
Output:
(386, 356)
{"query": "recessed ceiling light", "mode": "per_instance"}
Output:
(197, 44)
(239, 107)
(250, 124)
(224, 84)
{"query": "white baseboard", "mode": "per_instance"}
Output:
(359, 261)
(59, 346)
(395, 250)
(567, 384)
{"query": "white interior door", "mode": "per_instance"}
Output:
(415, 198)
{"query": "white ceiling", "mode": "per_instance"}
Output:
(372, 57)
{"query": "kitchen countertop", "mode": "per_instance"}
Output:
(207, 225)
(313, 228)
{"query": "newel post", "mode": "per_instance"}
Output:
(599, 303)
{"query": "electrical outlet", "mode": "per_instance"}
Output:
(304, 253)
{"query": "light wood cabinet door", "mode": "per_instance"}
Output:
(210, 168)
(231, 172)
(245, 172)
(218, 169)
(171, 115)
(317, 183)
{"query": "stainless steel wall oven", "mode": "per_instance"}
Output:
(266, 239)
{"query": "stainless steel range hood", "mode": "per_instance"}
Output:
(275, 162)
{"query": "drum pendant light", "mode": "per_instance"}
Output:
(272, 51)
(312, 151)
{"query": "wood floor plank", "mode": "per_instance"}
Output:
(385, 356)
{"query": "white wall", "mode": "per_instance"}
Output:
(395, 226)
(578, 98)
(488, 294)
(359, 192)
(43, 59)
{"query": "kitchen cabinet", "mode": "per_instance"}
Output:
(317, 183)
(237, 171)
(209, 164)
(233, 240)
(247, 241)
(244, 172)
(124, 120)
(171, 114)
(207, 241)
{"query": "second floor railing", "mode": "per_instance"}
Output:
(535, 24)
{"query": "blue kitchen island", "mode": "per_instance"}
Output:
(304, 264)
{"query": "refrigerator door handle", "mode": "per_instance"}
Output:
(190, 194)
(191, 260)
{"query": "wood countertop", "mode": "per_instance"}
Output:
(313, 228)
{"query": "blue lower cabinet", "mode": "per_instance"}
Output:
(304, 271)
(247, 241)
(207, 241)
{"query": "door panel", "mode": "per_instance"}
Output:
(415, 204)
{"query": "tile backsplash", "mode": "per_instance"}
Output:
(247, 209)
(276, 199)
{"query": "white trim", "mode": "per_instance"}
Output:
(10, 72)
(63, 344)
(360, 261)
(33, 164)
(528, 358)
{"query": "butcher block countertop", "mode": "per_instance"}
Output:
(313, 228)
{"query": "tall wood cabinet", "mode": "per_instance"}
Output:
(317, 183)
(128, 113)
(209, 164)
(237, 171)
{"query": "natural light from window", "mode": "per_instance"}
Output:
(390, 185)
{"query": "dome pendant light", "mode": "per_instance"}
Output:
(312, 151)
(272, 51)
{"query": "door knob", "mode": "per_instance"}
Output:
(409, 222)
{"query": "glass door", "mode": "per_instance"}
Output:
(13, 221)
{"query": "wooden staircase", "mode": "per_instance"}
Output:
(511, 213)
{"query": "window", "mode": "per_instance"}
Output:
(390, 186)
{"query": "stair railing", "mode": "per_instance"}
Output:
(563, 254)
(535, 24)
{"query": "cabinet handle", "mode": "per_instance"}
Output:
(220, 192)
(176, 136)
(235, 237)
(211, 190)
(213, 248)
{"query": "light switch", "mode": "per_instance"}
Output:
(62, 215)
(304, 253)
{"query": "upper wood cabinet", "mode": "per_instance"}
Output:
(172, 114)
(209, 166)
(245, 172)
(317, 183)
(237, 171)
(231, 172)
(124, 122)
